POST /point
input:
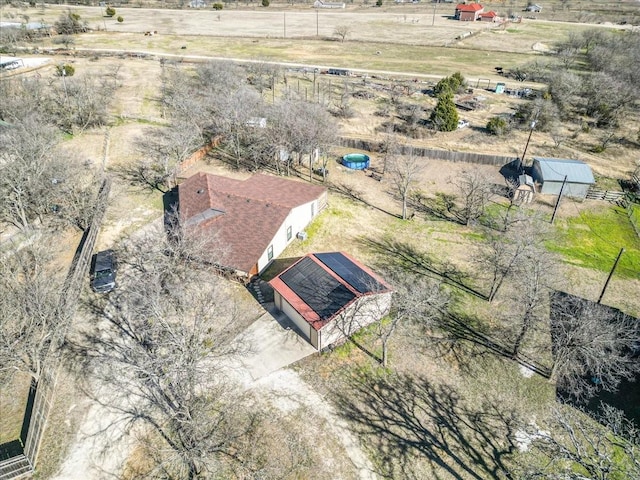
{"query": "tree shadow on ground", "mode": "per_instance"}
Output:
(441, 207)
(410, 421)
(354, 194)
(460, 329)
(456, 328)
(405, 255)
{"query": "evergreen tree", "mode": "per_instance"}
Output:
(445, 116)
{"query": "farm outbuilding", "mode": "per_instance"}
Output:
(525, 191)
(489, 17)
(550, 173)
(468, 12)
(330, 296)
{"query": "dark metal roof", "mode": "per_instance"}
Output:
(350, 272)
(317, 288)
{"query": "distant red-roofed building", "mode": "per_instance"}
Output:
(329, 296)
(250, 222)
(490, 16)
(468, 12)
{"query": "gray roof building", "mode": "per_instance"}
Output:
(551, 172)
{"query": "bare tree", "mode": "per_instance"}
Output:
(153, 356)
(342, 31)
(40, 182)
(163, 150)
(262, 75)
(528, 305)
(504, 253)
(236, 117)
(474, 191)
(29, 295)
(300, 128)
(578, 447)
(592, 346)
(569, 50)
(404, 171)
(65, 40)
(80, 102)
(418, 300)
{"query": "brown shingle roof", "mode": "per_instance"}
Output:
(242, 215)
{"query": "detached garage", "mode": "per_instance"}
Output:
(551, 172)
(330, 296)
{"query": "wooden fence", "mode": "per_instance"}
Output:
(197, 156)
(436, 154)
(23, 464)
(606, 195)
(16, 467)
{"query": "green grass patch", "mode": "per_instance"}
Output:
(593, 240)
(635, 216)
(607, 183)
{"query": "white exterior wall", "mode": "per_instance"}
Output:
(365, 311)
(296, 318)
(298, 219)
(576, 190)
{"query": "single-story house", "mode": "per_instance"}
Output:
(329, 296)
(248, 222)
(468, 12)
(551, 172)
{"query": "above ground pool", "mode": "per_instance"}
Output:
(356, 161)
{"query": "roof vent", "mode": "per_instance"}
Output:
(200, 191)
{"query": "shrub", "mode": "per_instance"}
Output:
(265, 3)
(378, 3)
(65, 69)
(110, 11)
(120, 19)
(218, 6)
(497, 126)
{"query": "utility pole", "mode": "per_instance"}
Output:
(524, 154)
(284, 25)
(433, 21)
(613, 269)
(64, 83)
(555, 209)
(317, 23)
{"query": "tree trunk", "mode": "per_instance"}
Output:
(384, 353)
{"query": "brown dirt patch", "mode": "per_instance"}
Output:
(13, 400)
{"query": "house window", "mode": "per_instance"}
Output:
(270, 253)
(289, 233)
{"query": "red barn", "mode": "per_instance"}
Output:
(468, 12)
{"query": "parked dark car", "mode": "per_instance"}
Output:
(103, 271)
